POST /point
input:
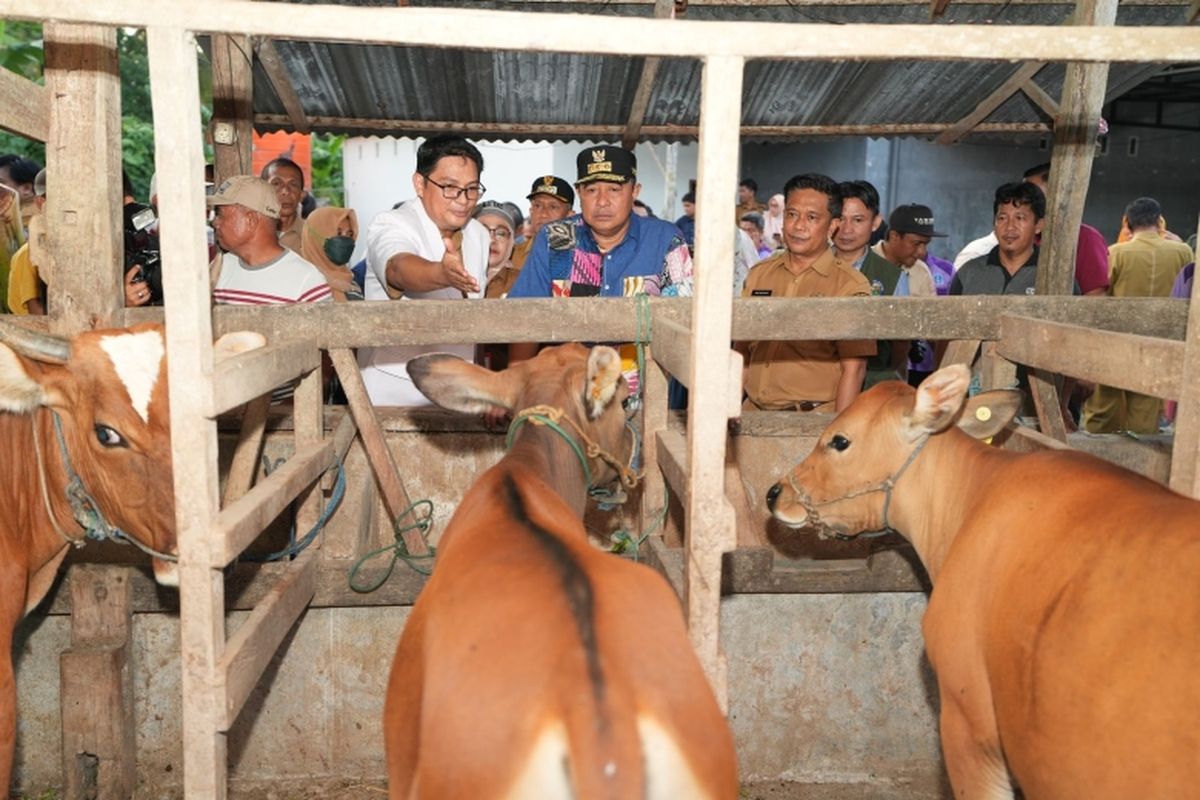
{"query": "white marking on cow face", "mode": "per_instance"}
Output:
(136, 357)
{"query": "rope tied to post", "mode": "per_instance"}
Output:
(422, 522)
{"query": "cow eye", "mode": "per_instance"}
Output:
(108, 437)
(839, 442)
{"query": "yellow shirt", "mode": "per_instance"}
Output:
(782, 373)
(23, 282)
(1146, 265)
(12, 237)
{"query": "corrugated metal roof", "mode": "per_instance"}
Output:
(397, 90)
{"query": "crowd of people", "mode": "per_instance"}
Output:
(816, 238)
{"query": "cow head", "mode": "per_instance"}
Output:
(585, 383)
(842, 487)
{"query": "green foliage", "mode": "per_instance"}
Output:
(137, 154)
(328, 182)
(21, 52)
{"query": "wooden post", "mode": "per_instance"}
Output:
(1070, 172)
(232, 122)
(654, 420)
(1185, 455)
(83, 176)
(175, 94)
(710, 524)
(96, 687)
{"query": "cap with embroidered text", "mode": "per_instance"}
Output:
(552, 186)
(247, 190)
(913, 218)
(605, 163)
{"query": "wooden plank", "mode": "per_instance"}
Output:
(176, 105)
(379, 456)
(83, 201)
(654, 421)
(24, 107)
(1046, 400)
(253, 645)
(673, 351)
(1193, 13)
(667, 560)
(244, 466)
(1137, 363)
(1185, 459)
(937, 8)
(308, 412)
(990, 103)
(1040, 98)
(709, 521)
(239, 523)
(663, 9)
(96, 686)
(996, 371)
(575, 33)
(281, 82)
(588, 131)
(233, 105)
(960, 351)
(331, 325)
(671, 451)
(1075, 131)
(241, 378)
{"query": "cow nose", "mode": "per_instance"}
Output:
(773, 495)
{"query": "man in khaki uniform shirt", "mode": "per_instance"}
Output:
(1145, 266)
(806, 375)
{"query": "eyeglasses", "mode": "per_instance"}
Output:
(499, 232)
(450, 192)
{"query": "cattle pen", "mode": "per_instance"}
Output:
(1149, 346)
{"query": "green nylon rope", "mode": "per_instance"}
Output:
(398, 548)
(542, 419)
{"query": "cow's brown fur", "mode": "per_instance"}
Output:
(1064, 623)
(132, 484)
(527, 635)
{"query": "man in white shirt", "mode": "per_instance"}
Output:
(429, 248)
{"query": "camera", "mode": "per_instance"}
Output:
(141, 249)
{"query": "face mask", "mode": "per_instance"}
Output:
(339, 249)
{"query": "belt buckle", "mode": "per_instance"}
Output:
(809, 405)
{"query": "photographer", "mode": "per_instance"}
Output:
(143, 261)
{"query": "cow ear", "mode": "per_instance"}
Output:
(457, 385)
(19, 392)
(987, 413)
(237, 342)
(939, 397)
(603, 377)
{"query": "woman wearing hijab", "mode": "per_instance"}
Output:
(773, 222)
(501, 228)
(327, 242)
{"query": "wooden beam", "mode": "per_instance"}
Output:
(251, 648)
(83, 206)
(1193, 13)
(631, 36)
(1137, 363)
(672, 349)
(990, 103)
(367, 324)
(243, 520)
(243, 467)
(671, 451)
(176, 104)
(24, 107)
(655, 417)
(281, 82)
(232, 125)
(1185, 459)
(1040, 98)
(1075, 131)
(243, 377)
(937, 8)
(565, 131)
(709, 519)
(663, 9)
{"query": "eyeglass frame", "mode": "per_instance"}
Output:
(494, 232)
(459, 191)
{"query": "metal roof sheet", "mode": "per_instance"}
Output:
(385, 90)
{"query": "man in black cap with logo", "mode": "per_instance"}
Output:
(550, 199)
(910, 229)
(607, 250)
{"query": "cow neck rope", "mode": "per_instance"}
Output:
(885, 486)
(84, 508)
(550, 417)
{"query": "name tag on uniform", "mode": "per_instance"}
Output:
(760, 292)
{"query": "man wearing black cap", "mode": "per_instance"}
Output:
(910, 229)
(550, 199)
(607, 250)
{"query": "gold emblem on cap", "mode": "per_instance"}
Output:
(599, 155)
(548, 180)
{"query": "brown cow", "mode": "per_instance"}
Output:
(533, 665)
(100, 399)
(1064, 623)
